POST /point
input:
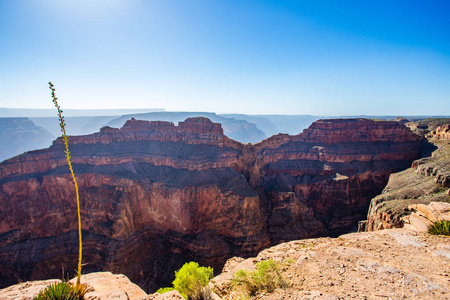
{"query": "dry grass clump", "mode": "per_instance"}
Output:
(62, 291)
(440, 228)
(266, 278)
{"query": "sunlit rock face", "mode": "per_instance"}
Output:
(154, 195)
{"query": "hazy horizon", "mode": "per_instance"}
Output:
(13, 112)
(322, 58)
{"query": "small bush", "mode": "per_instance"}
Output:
(440, 228)
(191, 281)
(165, 290)
(266, 278)
(62, 291)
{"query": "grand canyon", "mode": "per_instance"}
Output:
(155, 195)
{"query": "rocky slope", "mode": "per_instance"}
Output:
(428, 180)
(154, 195)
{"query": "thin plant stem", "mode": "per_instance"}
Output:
(62, 124)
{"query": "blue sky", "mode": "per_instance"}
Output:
(230, 56)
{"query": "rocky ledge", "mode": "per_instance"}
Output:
(101, 285)
(405, 198)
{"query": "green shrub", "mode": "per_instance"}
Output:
(266, 278)
(165, 290)
(62, 291)
(191, 281)
(440, 228)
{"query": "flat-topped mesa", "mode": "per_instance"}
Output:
(357, 130)
(343, 141)
(197, 130)
(200, 125)
(140, 125)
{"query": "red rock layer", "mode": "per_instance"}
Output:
(154, 195)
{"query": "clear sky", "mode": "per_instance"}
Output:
(382, 57)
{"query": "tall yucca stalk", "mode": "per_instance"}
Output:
(62, 124)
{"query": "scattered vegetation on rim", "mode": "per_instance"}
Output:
(191, 281)
(62, 291)
(266, 278)
(440, 228)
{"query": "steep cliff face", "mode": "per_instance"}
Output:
(335, 167)
(425, 182)
(154, 195)
(428, 180)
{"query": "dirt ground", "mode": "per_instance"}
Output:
(388, 264)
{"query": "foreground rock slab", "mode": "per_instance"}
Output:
(101, 285)
(388, 264)
(25, 290)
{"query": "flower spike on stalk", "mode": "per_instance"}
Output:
(62, 124)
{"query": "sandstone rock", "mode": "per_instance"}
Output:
(441, 133)
(424, 216)
(106, 285)
(25, 290)
(419, 222)
(102, 285)
(155, 195)
(175, 295)
(435, 211)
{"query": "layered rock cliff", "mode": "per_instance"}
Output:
(154, 195)
(427, 181)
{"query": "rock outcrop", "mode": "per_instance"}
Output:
(100, 286)
(423, 216)
(427, 181)
(441, 133)
(155, 195)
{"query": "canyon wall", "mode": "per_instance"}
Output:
(154, 195)
(427, 181)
